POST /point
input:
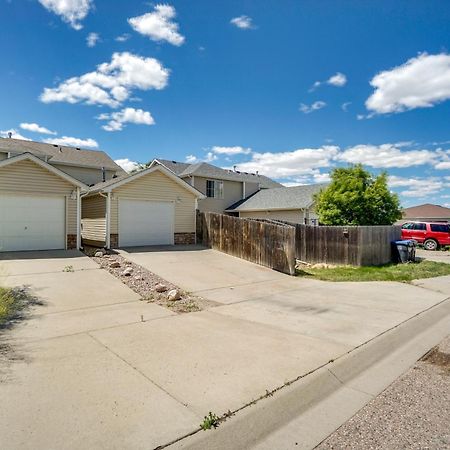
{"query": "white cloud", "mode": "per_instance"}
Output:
(127, 164)
(421, 82)
(191, 159)
(71, 11)
(116, 120)
(443, 165)
(14, 134)
(417, 187)
(158, 25)
(386, 156)
(92, 39)
(72, 142)
(111, 83)
(231, 151)
(338, 80)
(123, 37)
(242, 22)
(313, 107)
(345, 106)
(35, 128)
(209, 157)
(304, 161)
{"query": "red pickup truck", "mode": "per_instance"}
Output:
(431, 234)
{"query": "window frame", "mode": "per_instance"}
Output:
(216, 189)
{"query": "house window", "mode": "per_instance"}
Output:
(214, 189)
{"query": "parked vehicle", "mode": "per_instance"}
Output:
(430, 234)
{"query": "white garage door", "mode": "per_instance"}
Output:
(144, 222)
(32, 223)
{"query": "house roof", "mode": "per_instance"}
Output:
(206, 170)
(296, 197)
(30, 157)
(59, 154)
(108, 186)
(427, 210)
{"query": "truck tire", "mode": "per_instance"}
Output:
(430, 244)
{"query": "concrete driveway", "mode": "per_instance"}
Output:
(97, 368)
(438, 255)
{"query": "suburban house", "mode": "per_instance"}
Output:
(290, 204)
(426, 213)
(221, 187)
(40, 193)
(150, 207)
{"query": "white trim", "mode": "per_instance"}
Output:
(148, 171)
(78, 218)
(44, 165)
(265, 209)
(66, 218)
(108, 221)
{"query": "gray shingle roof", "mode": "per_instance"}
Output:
(295, 197)
(206, 170)
(60, 154)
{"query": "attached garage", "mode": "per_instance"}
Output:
(39, 206)
(151, 207)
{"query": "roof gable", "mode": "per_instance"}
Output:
(427, 210)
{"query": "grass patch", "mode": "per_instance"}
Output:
(13, 304)
(389, 272)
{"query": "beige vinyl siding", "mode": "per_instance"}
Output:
(158, 187)
(27, 177)
(232, 192)
(294, 216)
(86, 175)
(3, 155)
(93, 219)
(251, 188)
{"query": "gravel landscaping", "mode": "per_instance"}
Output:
(148, 285)
(413, 413)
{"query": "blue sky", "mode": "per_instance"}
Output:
(288, 88)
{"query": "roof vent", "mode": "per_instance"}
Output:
(9, 134)
(234, 168)
(174, 162)
(257, 173)
(55, 145)
(78, 148)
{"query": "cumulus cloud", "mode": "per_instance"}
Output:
(304, 161)
(421, 82)
(123, 37)
(443, 165)
(337, 80)
(158, 25)
(386, 156)
(191, 159)
(306, 109)
(116, 120)
(70, 11)
(127, 164)
(111, 83)
(92, 39)
(231, 151)
(417, 187)
(242, 22)
(209, 157)
(35, 128)
(72, 142)
(14, 134)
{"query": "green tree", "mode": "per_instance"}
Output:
(356, 197)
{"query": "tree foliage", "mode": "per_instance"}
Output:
(356, 197)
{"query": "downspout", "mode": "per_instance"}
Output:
(78, 219)
(108, 219)
(243, 189)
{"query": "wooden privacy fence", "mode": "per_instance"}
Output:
(268, 244)
(278, 244)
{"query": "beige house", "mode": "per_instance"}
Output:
(425, 213)
(289, 204)
(221, 188)
(39, 205)
(150, 207)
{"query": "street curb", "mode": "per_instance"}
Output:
(304, 413)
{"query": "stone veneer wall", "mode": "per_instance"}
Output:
(71, 241)
(184, 238)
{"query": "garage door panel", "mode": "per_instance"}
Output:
(32, 223)
(144, 222)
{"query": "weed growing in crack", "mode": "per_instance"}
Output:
(210, 421)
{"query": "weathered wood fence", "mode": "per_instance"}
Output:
(278, 244)
(268, 244)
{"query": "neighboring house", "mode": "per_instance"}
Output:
(221, 187)
(291, 204)
(150, 207)
(425, 213)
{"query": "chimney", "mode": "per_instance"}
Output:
(9, 134)
(103, 174)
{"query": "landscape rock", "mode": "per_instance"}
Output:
(160, 287)
(99, 254)
(127, 272)
(114, 264)
(173, 295)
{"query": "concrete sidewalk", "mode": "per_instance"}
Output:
(97, 368)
